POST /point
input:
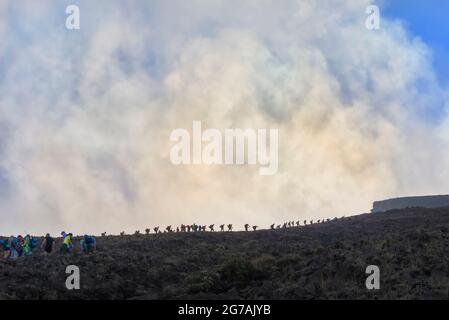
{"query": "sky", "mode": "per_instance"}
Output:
(86, 115)
(427, 20)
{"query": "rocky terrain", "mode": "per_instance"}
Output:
(325, 261)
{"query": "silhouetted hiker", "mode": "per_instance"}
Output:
(156, 229)
(48, 244)
(311, 221)
(177, 229)
(246, 227)
(284, 225)
(222, 226)
(103, 234)
(297, 223)
(272, 227)
(211, 228)
(137, 233)
(168, 229)
(229, 227)
(88, 244)
(183, 228)
(305, 222)
(254, 228)
(122, 233)
(147, 230)
(188, 228)
(318, 221)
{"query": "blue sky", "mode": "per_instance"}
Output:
(430, 21)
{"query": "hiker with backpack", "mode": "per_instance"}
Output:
(29, 243)
(88, 244)
(48, 244)
(67, 244)
(26, 248)
(14, 247)
(4, 246)
(21, 243)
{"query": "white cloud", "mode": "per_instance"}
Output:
(89, 114)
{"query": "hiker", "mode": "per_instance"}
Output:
(246, 227)
(20, 245)
(272, 227)
(48, 244)
(67, 245)
(14, 248)
(88, 244)
(4, 245)
(211, 228)
(254, 228)
(229, 227)
(222, 226)
(168, 229)
(26, 246)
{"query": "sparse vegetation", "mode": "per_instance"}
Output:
(320, 261)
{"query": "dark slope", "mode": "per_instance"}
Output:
(316, 262)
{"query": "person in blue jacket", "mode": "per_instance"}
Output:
(88, 244)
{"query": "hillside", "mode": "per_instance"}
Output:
(324, 261)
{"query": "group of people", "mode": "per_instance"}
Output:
(19, 246)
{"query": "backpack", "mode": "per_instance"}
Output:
(89, 239)
(33, 243)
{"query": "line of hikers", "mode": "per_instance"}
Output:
(203, 228)
(19, 246)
